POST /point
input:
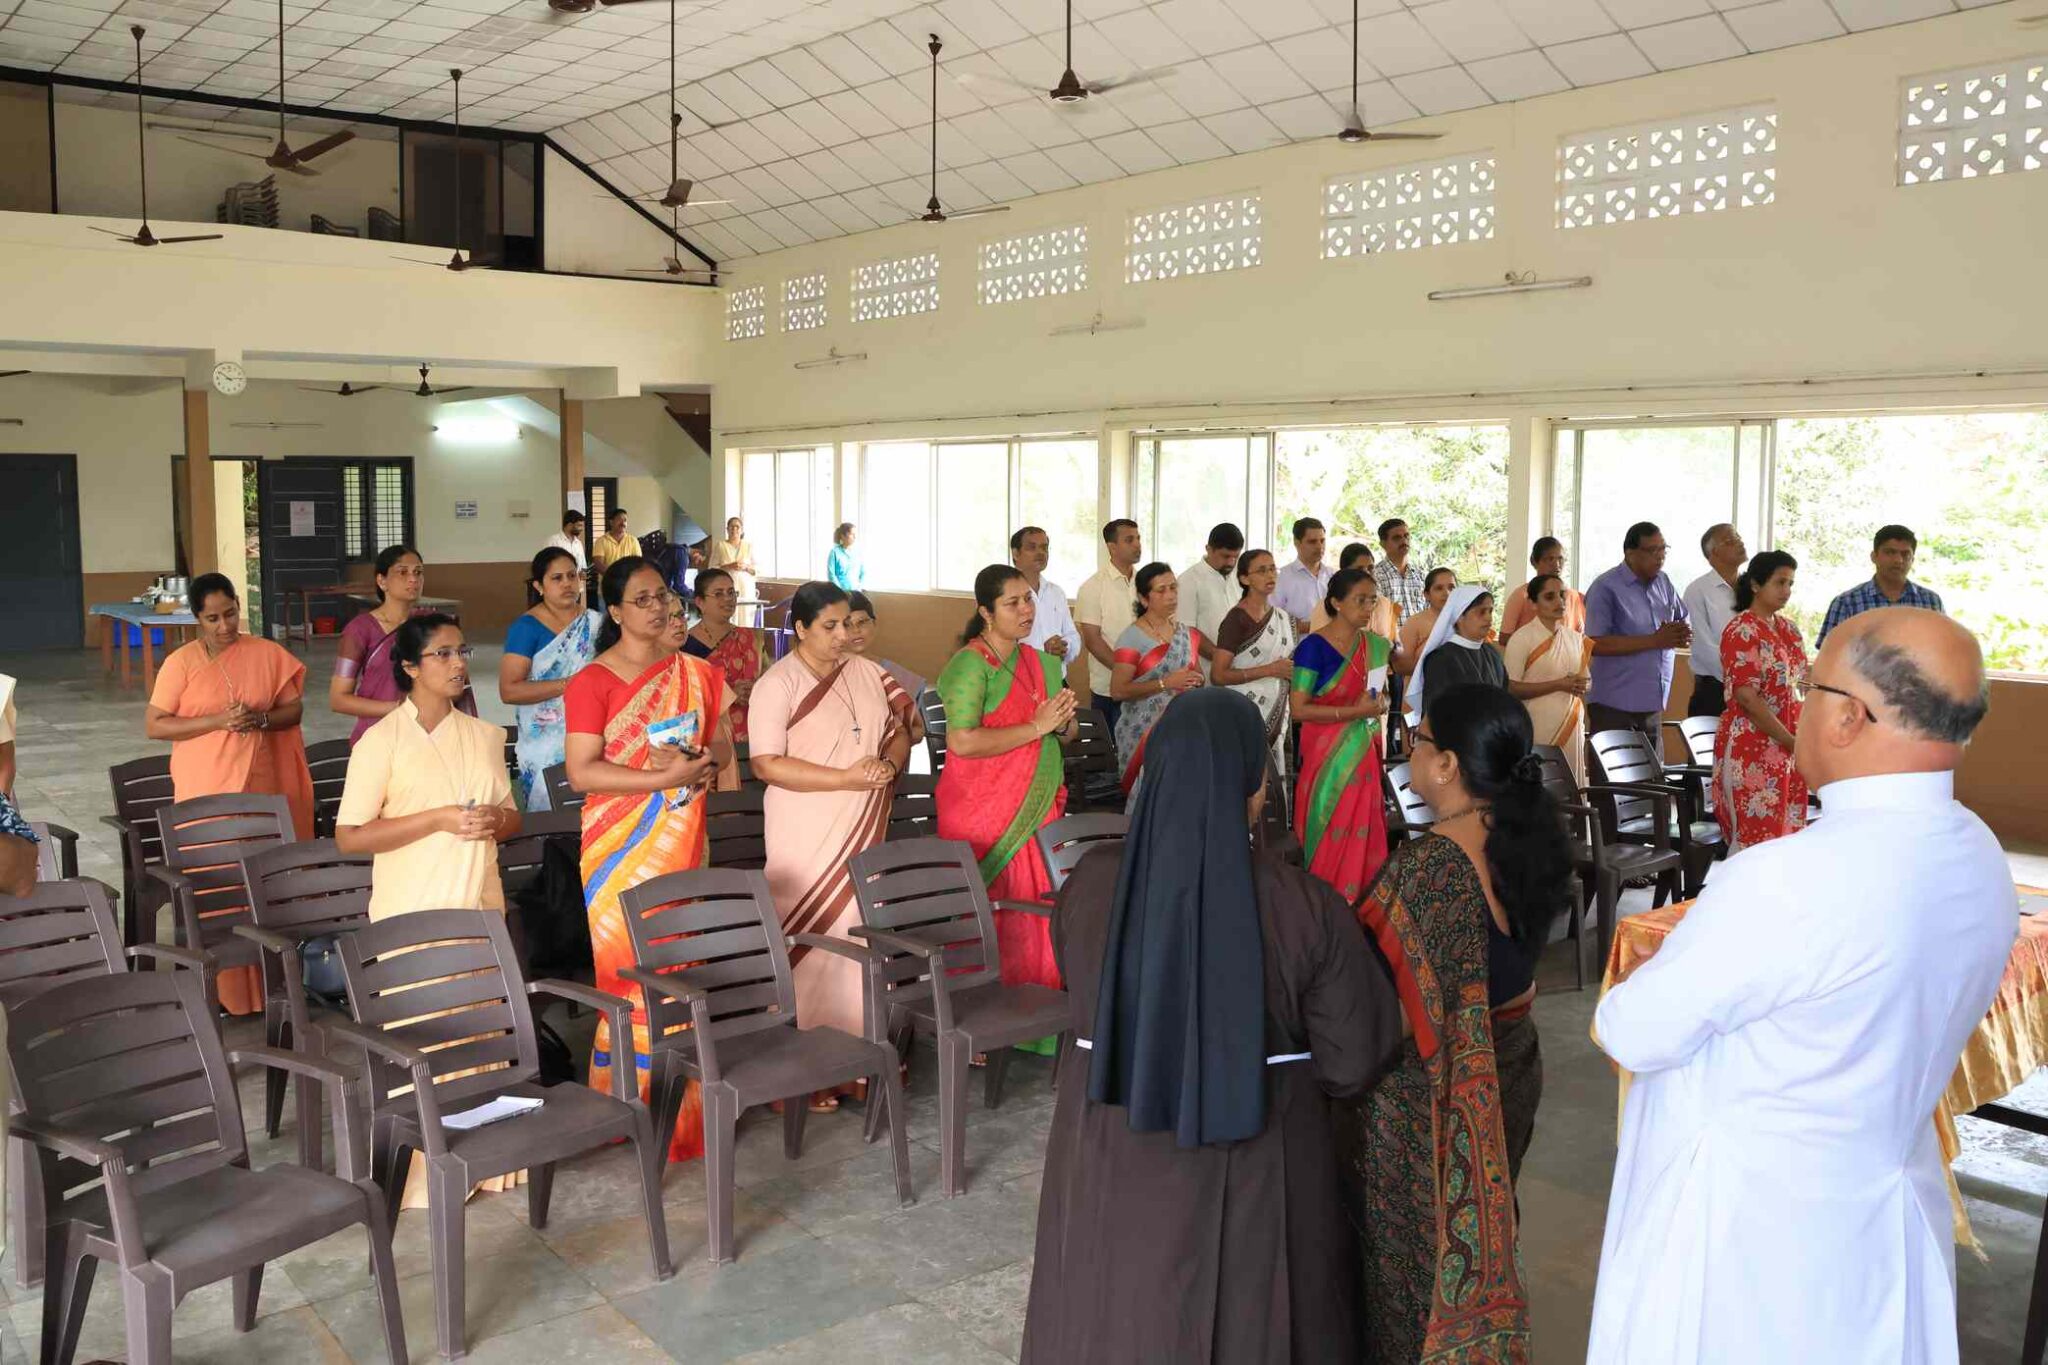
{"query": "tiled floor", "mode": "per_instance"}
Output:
(829, 1268)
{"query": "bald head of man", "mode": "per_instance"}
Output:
(1893, 691)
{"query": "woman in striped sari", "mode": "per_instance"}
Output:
(1155, 662)
(1004, 777)
(1339, 698)
(1549, 669)
(634, 828)
(831, 735)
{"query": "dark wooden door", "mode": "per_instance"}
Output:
(314, 555)
(41, 572)
(600, 496)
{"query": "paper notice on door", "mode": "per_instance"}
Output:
(1376, 681)
(302, 519)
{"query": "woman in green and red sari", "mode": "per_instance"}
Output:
(1339, 697)
(1004, 777)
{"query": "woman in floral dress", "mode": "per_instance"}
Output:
(1759, 795)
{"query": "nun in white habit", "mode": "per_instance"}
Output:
(1779, 1194)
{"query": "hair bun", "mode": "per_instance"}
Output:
(1528, 768)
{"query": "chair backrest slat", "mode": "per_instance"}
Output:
(1064, 842)
(914, 808)
(521, 857)
(394, 973)
(561, 796)
(303, 886)
(714, 930)
(205, 839)
(1407, 801)
(736, 828)
(1626, 756)
(328, 760)
(933, 886)
(59, 931)
(1699, 734)
(932, 709)
(140, 786)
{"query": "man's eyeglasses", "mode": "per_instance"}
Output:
(1808, 685)
(450, 653)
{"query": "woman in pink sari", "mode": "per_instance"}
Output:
(1004, 777)
(1340, 683)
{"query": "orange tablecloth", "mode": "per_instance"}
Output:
(2002, 1052)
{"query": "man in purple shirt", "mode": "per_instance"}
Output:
(1636, 619)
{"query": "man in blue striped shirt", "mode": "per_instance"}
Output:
(1892, 550)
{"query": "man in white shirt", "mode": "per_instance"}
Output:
(1052, 629)
(1779, 1192)
(1208, 587)
(1104, 608)
(1302, 583)
(1710, 606)
(571, 538)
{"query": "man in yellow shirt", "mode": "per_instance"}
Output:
(1105, 607)
(615, 543)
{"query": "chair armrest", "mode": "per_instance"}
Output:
(116, 822)
(348, 1162)
(176, 881)
(177, 957)
(380, 1044)
(619, 1010)
(1664, 798)
(182, 897)
(271, 939)
(825, 943)
(934, 953)
(64, 1142)
(1042, 909)
(662, 984)
(1596, 837)
(113, 1168)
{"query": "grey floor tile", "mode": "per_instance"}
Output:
(595, 1336)
(339, 1265)
(828, 1140)
(613, 1255)
(207, 1312)
(909, 1332)
(988, 1307)
(297, 1337)
(506, 1291)
(825, 1199)
(943, 1240)
(760, 1301)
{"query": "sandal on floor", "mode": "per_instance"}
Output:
(826, 1104)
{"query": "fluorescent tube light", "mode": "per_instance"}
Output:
(830, 358)
(1513, 284)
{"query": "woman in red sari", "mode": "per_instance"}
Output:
(733, 650)
(1003, 777)
(1759, 794)
(632, 828)
(1339, 697)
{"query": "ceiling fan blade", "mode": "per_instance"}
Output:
(972, 78)
(326, 145)
(124, 236)
(700, 203)
(980, 212)
(225, 151)
(1402, 137)
(459, 388)
(1143, 77)
(201, 237)
(9, 374)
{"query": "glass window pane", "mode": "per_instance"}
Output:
(1681, 478)
(1973, 487)
(1144, 469)
(896, 515)
(1449, 483)
(1564, 491)
(1057, 484)
(974, 491)
(1202, 480)
(824, 515)
(793, 514)
(757, 505)
(1750, 492)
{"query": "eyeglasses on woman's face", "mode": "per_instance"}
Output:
(648, 601)
(1422, 736)
(448, 654)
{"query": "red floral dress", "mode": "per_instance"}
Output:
(1759, 794)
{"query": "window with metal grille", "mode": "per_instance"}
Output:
(1034, 265)
(352, 513)
(1202, 238)
(896, 288)
(376, 507)
(803, 303)
(1986, 120)
(746, 312)
(1702, 164)
(1403, 208)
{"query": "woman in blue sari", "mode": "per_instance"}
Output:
(545, 648)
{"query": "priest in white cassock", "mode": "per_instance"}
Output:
(1779, 1193)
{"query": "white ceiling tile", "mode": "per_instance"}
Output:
(984, 22)
(800, 181)
(956, 149)
(957, 192)
(1188, 141)
(1245, 130)
(1040, 172)
(1033, 63)
(1134, 153)
(1689, 42)
(1141, 36)
(765, 80)
(1864, 14)
(882, 206)
(812, 220)
(822, 125)
(1042, 123)
(889, 49)
(869, 163)
(621, 133)
(847, 61)
(735, 94)
(1272, 19)
(1147, 106)
(1558, 21)
(912, 155)
(994, 181)
(1442, 91)
(1473, 30)
(989, 132)
(851, 108)
(780, 129)
(706, 106)
(1197, 88)
(1095, 117)
(755, 146)
(716, 151)
(1782, 23)
(1091, 10)
(809, 74)
(848, 218)
(1309, 116)
(757, 240)
(898, 103)
(838, 176)
(765, 187)
(1084, 162)
(1634, 14)
(1594, 61)
(1208, 26)
(785, 232)
(1323, 58)
(1395, 45)
(1517, 76)
(1259, 75)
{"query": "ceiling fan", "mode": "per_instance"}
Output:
(457, 262)
(1071, 89)
(677, 195)
(144, 237)
(932, 212)
(1354, 130)
(673, 265)
(282, 157)
(585, 6)
(348, 390)
(426, 390)
(9, 374)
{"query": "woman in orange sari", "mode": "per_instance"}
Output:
(1339, 698)
(644, 813)
(1549, 669)
(1004, 777)
(229, 704)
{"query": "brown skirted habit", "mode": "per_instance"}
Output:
(1238, 1253)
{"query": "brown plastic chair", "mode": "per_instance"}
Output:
(1606, 862)
(561, 796)
(736, 828)
(299, 892)
(1697, 735)
(721, 1009)
(204, 840)
(512, 755)
(328, 760)
(56, 851)
(58, 933)
(1625, 763)
(124, 1081)
(932, 709)
(443, 1009)
(1065, 841)
(1093, 774)
(913, 808)
(1275, 831)
(1408, 815)
(520, 857)
(935, 969)
(140, 786)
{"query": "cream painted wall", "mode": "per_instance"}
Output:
(591, 232)
(124, 433)
(97, 171)
(642, 431)
(1845, 274)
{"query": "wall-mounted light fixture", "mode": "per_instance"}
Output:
(1095, 326)
(830, 358)
(477, 431)
(275, 426)
(1513, 283)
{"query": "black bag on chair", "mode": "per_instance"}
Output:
(552, 921)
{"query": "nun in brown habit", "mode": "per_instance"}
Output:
(1191, 1209)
